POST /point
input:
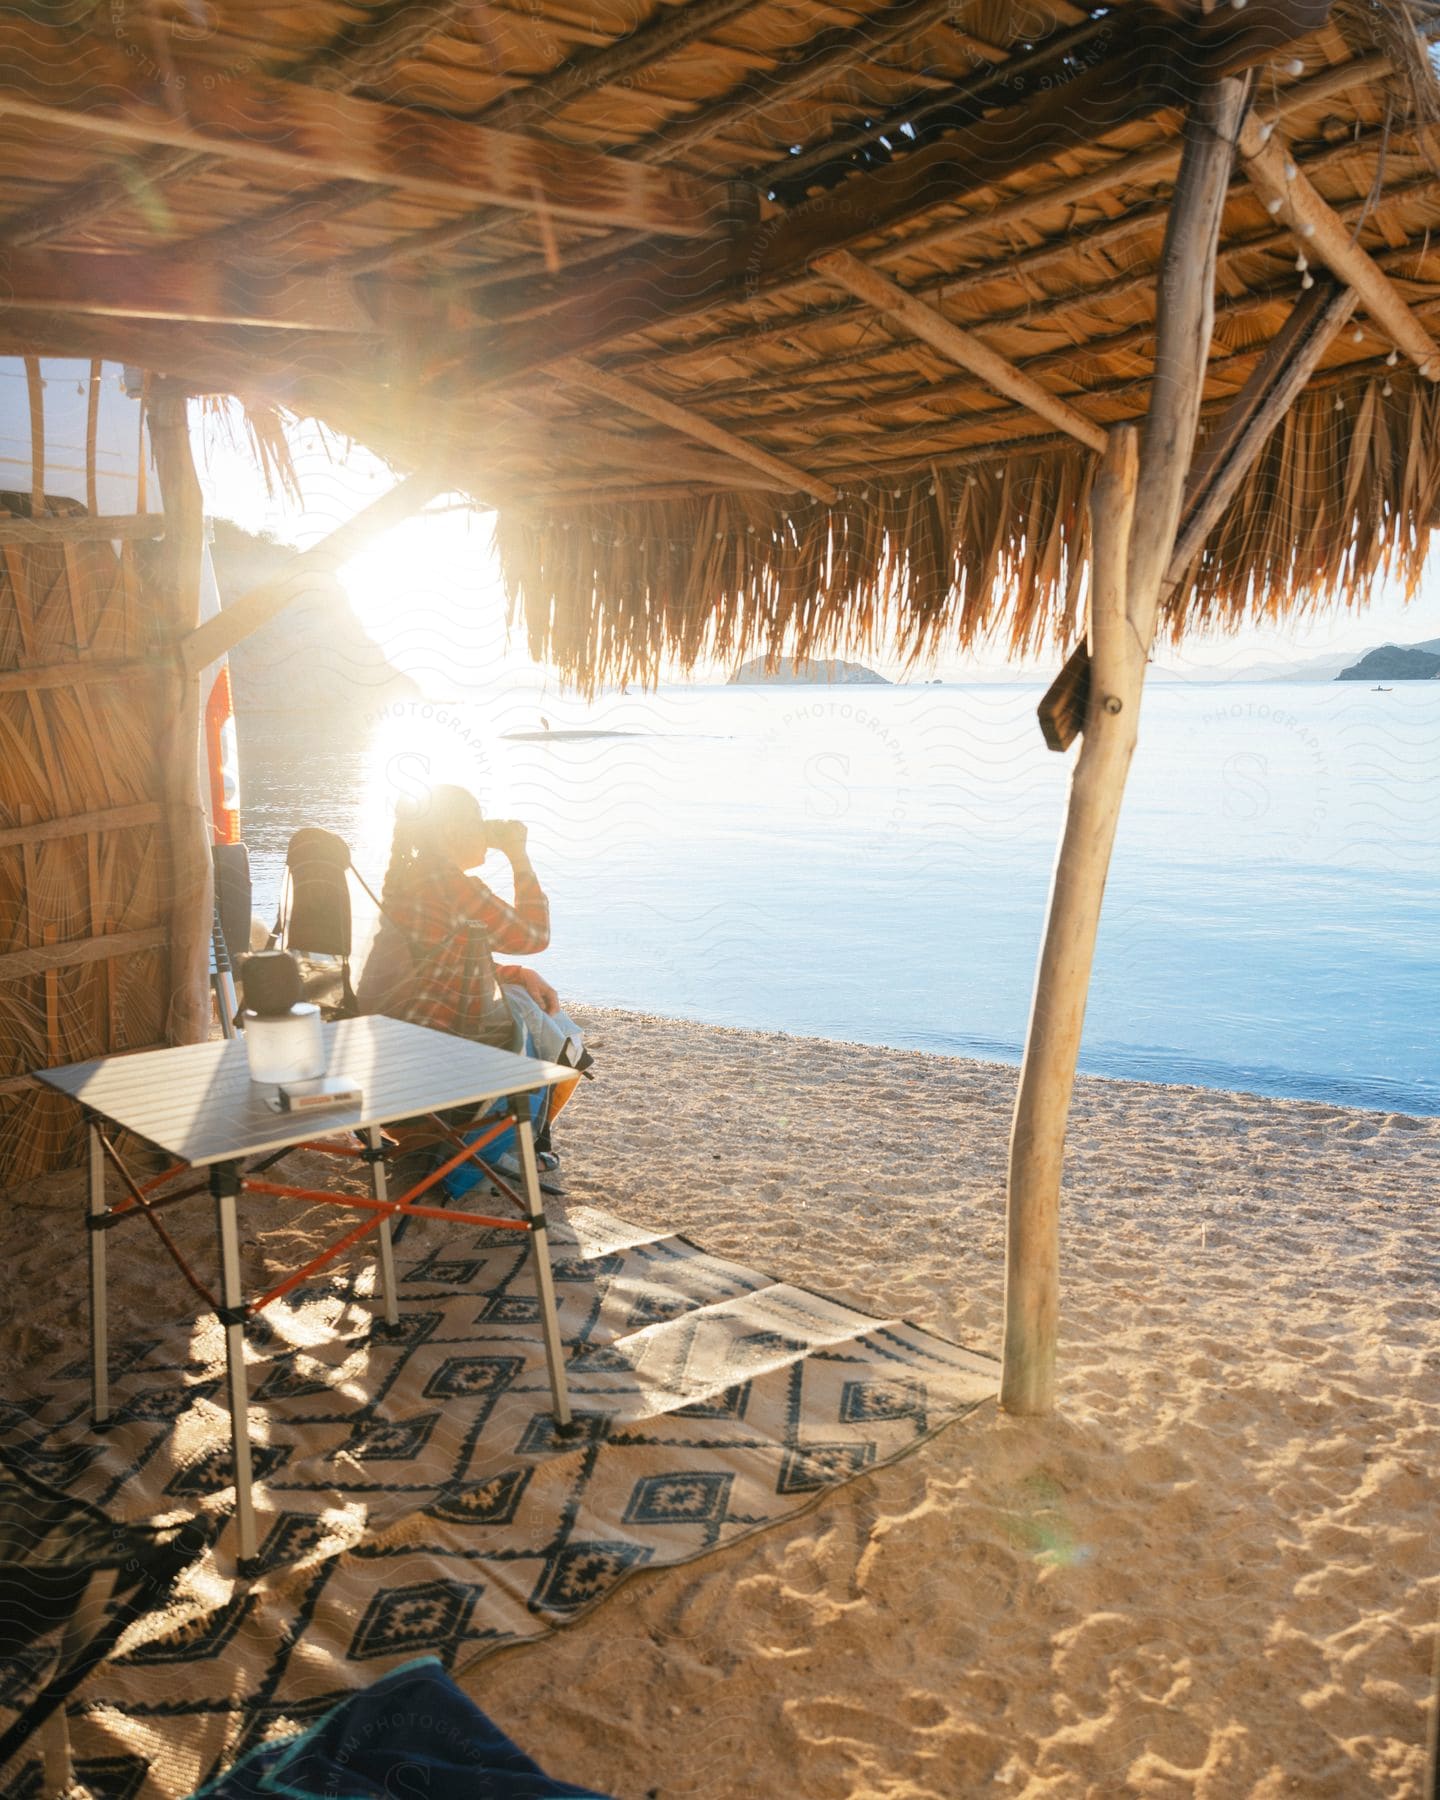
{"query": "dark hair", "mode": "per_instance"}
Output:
(421, 827)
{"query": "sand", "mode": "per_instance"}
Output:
(1213, 1572)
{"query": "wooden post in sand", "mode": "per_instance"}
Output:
(1136, 514)
(190, 901)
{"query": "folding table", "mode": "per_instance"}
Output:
(197, 1103)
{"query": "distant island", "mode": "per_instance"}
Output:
(316, 653)
(822, 671)
(1396, 662)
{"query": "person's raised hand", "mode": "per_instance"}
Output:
(507, 836)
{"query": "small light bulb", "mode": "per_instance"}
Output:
(1357, 335)
(1294, 66)
(1307, 280)
(1290, 171)
(1339, 404)
(1307, 230)
(1392, 359)
(1273, 206)
(1387, 390)
(1300, 263)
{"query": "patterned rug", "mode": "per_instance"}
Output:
(413, 1496)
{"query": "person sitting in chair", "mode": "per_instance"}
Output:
(432, 962)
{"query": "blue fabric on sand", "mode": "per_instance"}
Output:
(413, 1732)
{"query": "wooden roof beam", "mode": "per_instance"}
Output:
(672, 29)
(1154, 66)
(87, 84)
(207, 642)
(961, 346)
(1139, 166)
(634, 398)
(1324, 237)
(364, 55)
(216, 293)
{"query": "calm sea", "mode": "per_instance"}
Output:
(872, 863)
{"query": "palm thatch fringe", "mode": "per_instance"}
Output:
(947, 559)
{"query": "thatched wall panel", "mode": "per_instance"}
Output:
(69, 749)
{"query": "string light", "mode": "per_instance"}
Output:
(1273, 206)
(1339, 404)
(1392, 359)
(1290, 170)
(1358, 335)
(1387, 390)
(1307, 280)
(1301, 265)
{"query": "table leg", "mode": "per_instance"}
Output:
(380, 1188)
(99, 1318)
(225, 1185)
(540, 1253)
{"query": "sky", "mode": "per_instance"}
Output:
(429, 591)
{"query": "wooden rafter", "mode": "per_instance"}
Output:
(1116, 293)
(549, 441)
(963, 347)
(211, 640)
(798, 73)
(584, 72)
(1324, 238)
(1147, 72)
(362, 55)
(999, 78)
(371, 49)
(635, 398)
(1138, 167)
(86, 84)
(213, 292)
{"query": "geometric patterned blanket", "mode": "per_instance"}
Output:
(412, 1496)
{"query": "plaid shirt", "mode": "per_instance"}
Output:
(452, 923)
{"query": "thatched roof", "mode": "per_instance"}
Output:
(518, 237)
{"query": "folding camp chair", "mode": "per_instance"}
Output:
(68, 1568)
(314, 920)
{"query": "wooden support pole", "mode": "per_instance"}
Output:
(635, 398)
(1324, 237)
(210, 641)
(1289, 360)
(191, 896)
(1136, 511)
(960, 346)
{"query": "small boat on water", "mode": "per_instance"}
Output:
(1382, 690)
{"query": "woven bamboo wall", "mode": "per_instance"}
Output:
(82, 837)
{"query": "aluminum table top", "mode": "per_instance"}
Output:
(197, 1101)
